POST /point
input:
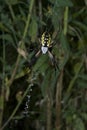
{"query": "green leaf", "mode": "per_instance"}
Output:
(62, 3)
(83, 76)
(33, 29)
(66, 49)
(82, 84)
(79, 125)
(50, 78)
(64, 43)
(12, 2)
(1, 102)
(42, 64)
(46, 83)
(81, 25)
(7, 37)
(84, 116)
(4, 28)
(56, 16)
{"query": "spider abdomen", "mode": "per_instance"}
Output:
(46, 39)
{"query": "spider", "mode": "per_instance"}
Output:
(46, 47)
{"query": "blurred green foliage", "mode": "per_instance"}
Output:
(34, 88)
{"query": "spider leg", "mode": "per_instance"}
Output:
(34, 58)
(37, 54)
(53, 60)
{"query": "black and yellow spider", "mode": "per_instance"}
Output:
(47, 43)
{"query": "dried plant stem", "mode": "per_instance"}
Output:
(58, 101)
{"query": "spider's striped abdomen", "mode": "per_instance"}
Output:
(46, 39)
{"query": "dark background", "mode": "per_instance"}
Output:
(34, 95)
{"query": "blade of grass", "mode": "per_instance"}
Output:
(72, 82)
(60, 80)
(58, 101)
(18, 60)
(74, 78)
(22, 43)
(66, 20)
(16, 108)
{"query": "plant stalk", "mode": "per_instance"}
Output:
(22, 43)
(58, 101)
(66, 20)
(2, 88)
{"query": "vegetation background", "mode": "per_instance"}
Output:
(33, 95)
